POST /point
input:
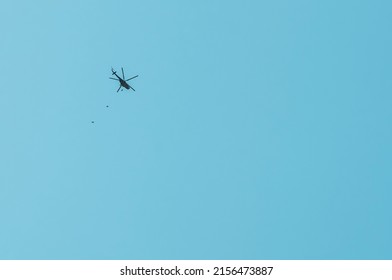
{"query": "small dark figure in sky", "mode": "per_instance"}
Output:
(123, 82)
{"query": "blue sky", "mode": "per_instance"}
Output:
(258, 130)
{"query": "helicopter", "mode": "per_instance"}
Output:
(123, 81)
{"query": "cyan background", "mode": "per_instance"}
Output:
(258, 130)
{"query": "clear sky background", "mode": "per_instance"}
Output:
(258, 130)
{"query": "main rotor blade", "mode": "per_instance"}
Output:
(122, 70)
(119, 88)
(113, 78)
(132, 77)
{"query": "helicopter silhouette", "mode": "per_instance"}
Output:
(123, 81)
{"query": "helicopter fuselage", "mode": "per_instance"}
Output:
(122, 82)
